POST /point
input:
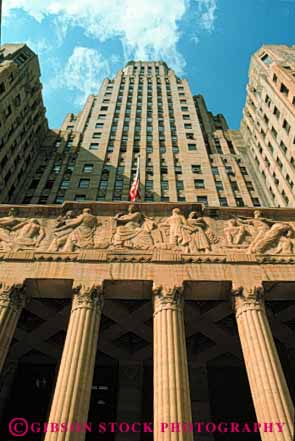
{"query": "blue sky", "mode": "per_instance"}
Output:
(209, 42)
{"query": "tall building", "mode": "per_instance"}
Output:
(186, 154)
(23, 125)
(268, 125)
(176, 309)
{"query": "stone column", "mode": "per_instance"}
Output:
(172, 402)
(73, 387)
(129, 408)
(12, 301)
(268, 386)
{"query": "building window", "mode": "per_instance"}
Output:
(276, 112)
(192, 147)
(65, 184)
(284, 90)
(286, 126)
(274, 132)
(202, 200)
(197, 169)
(219, 185)
(94, 146)
(84, 183)
(275, 78)
(88, 168)
(179, 185)
(256, 202)
(283, 147)
(266, 59)
(240, 202)
(223, 202)
(59, 200)
(80, 197)
(96, 135)
(99, 125)
(199, 183)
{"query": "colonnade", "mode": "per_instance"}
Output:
(71, 400)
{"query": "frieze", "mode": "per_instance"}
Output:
(146, 232)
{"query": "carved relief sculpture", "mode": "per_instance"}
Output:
(265, 234)
(133, 230)
(20, 234)
(179, 233)
(201, 236)
(78, 233)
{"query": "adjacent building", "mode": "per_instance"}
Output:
(23, 124)
(268, 125)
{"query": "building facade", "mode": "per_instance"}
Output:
(268, 124)
(23, 125)
(176, 309)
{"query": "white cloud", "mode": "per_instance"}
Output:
(148, 29)
(83, 73)
(207, 10)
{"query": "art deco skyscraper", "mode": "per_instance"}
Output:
(186, 153)
(268, 125)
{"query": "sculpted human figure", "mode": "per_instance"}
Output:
(133, 230)
(273, 236)
(6, 225)
(61, 236)
(286, 243)
(234, 232)
(29, 234)
(179, 234)
(267, 232)
(196, 226)
(79, 232)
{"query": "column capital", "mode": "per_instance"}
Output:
(87, 296)
(167, 297)
(247, 298)
(12, 295)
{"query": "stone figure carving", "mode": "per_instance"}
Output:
(234, 232)
(201, 236)
(6, 224)
(20, 234)
(29, 234)
(78, 232)
(133, 230)
(179, 234)
(264, 233)
(61, 236)
(188, 235)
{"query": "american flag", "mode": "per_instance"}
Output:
(134, 190)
